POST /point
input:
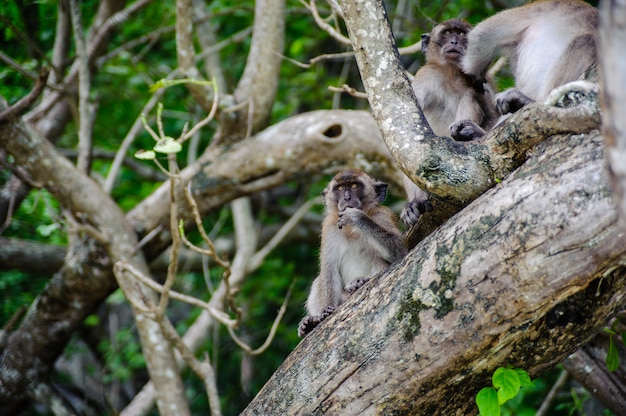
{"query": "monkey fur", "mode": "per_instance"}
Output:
(360, 239)
(548, 43)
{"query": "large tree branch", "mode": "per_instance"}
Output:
(499, 284)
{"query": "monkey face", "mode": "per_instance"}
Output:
(454, 43)
(349, 195)
(353, 188)
(448, 42)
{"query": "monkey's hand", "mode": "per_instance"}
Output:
(355, 285)
(465, 131)
(349, 216)
(413, 209)
(510, 101)
(308, 323)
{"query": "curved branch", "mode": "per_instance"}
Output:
(25, 102)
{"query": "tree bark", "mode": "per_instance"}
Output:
(523, 276)
(613, 68)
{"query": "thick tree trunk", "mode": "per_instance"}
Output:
(524, 276)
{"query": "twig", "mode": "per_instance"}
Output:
(272, 333)
(246, 241)
(129, 139)
(560, 382)
(25, 102)
(219, 316)
(206, 120)
(349, 90)
(258, 258)
(319, 58)
(312, 7)
(198, 219)
(204, 370)
(172, 268)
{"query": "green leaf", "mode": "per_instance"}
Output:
(524, 378)
(612, 356)
(168, 145)
(92, 320)
(624, 337)
(487, 401)
(145, 154)
(507, 382)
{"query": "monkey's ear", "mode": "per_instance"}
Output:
(381, 191)
(324, 192)
(425, 42)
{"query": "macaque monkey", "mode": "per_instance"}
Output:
(447, 95)
(360, 239)
(443, 91)
(548, 43)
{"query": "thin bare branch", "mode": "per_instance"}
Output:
(84, 85)
(25, 102)
(257, 259)
(205, 120)
(204, 370)
(272, 333)
(312, 7)
(349, 90)
(219, 316)
(207, 240)
(556, 387)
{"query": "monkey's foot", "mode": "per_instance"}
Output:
(465, 131)
(308, 323)
(355, 285)
(327, 312)
(413, 209)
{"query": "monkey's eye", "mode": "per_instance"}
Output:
(340, 188)
(354, 186)
(447, 32)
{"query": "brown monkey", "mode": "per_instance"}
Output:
(548, 43)
(443, 91)
(447, 95)
(360, 239)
